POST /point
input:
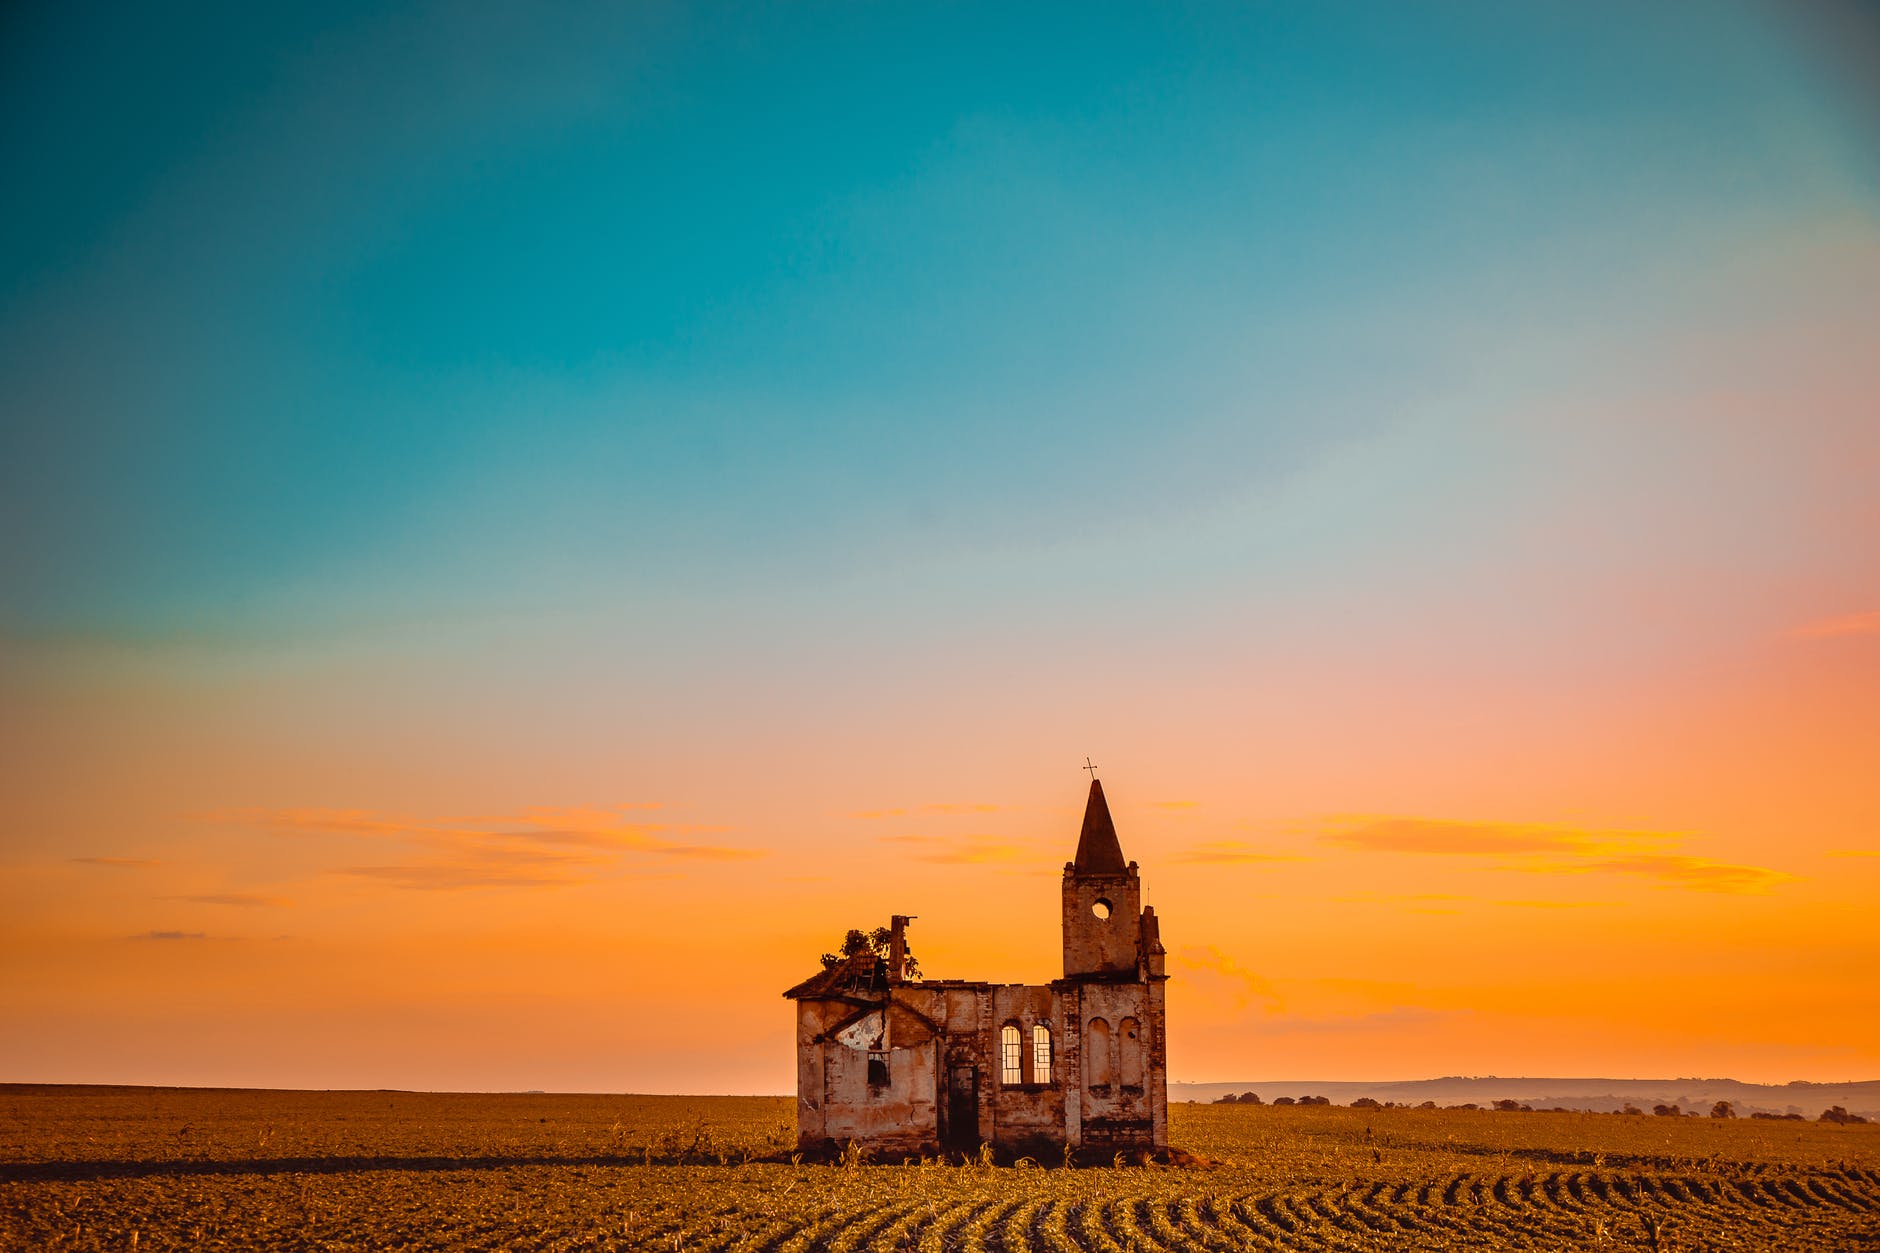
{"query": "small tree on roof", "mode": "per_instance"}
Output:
(856, 942)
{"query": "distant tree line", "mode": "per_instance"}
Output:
(1722, 1109)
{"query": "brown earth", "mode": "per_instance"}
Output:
(120, 1168)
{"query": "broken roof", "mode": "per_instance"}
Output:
(863, 975)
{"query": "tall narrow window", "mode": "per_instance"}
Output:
(1011, 1054)
(1129, 1051)
(1041, 1054)
(1097, 1053)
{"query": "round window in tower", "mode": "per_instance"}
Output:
(1102, 908)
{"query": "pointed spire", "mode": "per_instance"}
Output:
(1097, 849)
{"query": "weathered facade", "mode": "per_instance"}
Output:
(903, 1066)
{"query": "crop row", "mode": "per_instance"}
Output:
(1461, 1211)
(940, 1210)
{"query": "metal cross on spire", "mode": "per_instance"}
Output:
(1092, 769)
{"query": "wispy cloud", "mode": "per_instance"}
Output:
(445, 876)
(1250, 987)
(963, 850)
(1174, 804)
(1845, 624)
(1442, 902)
(121, 863)
(1228, 852)
(246, 899)
(603, 829)
(1854, 852)
(543, 846)
(1435, 835)
(932, 808)
(168, 935)
(1389, 898)
(318, 821)
(707, 852)
(1378, 1023)
(1697, 872)
(1545, 849)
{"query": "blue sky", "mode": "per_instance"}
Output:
(373, 311)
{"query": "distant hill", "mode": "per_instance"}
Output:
(1600, 1095)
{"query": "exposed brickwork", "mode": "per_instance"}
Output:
(917, 1067)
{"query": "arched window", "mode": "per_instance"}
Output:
(1041, 1054)
(1011, 1054)
(1129, 1050)
(1097, 1053)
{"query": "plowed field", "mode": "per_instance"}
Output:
(99, 1168)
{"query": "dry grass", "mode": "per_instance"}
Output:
(90, 1168)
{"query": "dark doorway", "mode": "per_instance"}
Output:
(963, 1108)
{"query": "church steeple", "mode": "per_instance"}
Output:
(1102, 901)
(1098, 851)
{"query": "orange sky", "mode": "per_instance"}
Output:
(1668, 876)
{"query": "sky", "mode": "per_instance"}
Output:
(522, 524)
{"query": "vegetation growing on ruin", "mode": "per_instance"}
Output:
(857, 941)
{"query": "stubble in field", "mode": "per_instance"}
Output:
(117, 1168)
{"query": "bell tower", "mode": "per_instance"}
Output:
(1102, 902)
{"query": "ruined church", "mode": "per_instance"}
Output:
(901, 1066)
